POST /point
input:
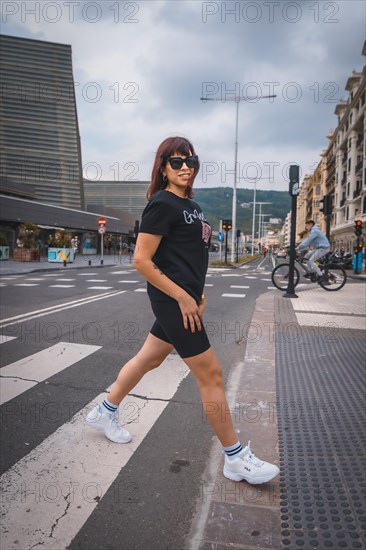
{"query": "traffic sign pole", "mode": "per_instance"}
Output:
(102, 222)
(293, 191)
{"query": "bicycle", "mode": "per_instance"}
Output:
(334, 276)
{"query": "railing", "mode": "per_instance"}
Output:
(360, 140)
(359, 166)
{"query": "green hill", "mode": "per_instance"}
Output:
(216, 203)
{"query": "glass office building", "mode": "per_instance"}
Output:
(39, 133)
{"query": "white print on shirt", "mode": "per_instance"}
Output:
(206, 232)
(190, 217)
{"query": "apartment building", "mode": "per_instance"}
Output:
(341, 172)
(350, 166)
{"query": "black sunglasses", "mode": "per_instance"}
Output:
(177, 162)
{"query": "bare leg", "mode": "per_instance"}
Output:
(150, 356)
(207, 371)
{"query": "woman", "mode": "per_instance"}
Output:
(172, 255)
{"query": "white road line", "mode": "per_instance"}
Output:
(231, 275)
(27, 284)
(63, 279)
(208, 284)
(11, 278)
(18, 377)
(119, 272)
(266, 279)
(272, 288)
(34, 279)
(96, 280)
(249, 277)
(128, 281)
(53, 275)
(99, 287)
(62, 286)
(239, 286)
(140, 290)
(3, 284)
(55, 309)
(227, 295)
(4, 339)
(87, 274)
(73, 468)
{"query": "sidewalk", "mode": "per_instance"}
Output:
(299, 398)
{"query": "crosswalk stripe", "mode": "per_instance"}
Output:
(125, 272)
(62, 286)
(27, 284)
(49, 494)
(18, 377)
(228, 295)
(239, 286)
(4, 339)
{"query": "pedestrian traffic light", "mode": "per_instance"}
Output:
(358, 227)
(327, 206)
(226, 225)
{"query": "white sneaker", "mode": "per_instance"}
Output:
(108, 423)
(247, 466)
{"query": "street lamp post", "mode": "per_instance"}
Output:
(237, 100)
(260, 215)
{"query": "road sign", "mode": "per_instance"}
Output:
(220, 236)
(101, 229)
(102, 221)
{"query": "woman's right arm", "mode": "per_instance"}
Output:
(146, 246)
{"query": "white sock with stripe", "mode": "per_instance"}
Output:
(108, 407)
(233, 450)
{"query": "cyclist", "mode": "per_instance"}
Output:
(320, 244)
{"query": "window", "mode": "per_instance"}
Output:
(349, 165)
(317, 190)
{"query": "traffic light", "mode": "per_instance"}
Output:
(226, 225)
(327, 206)
(358, 227)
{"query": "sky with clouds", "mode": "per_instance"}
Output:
(141, 68)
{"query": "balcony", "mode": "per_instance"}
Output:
(342, 203)
(359, 141)
(344, 159)
(357, 192)
(344, 180)
(359, 166)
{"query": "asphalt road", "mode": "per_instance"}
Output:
(65, 339)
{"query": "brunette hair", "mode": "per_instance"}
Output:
(165, 150)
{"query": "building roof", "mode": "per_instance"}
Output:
(13, 209)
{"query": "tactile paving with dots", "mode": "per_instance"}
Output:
(320, 381)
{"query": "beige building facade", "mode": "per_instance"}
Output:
(341, 172)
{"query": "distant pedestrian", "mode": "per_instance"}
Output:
(172, 254)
